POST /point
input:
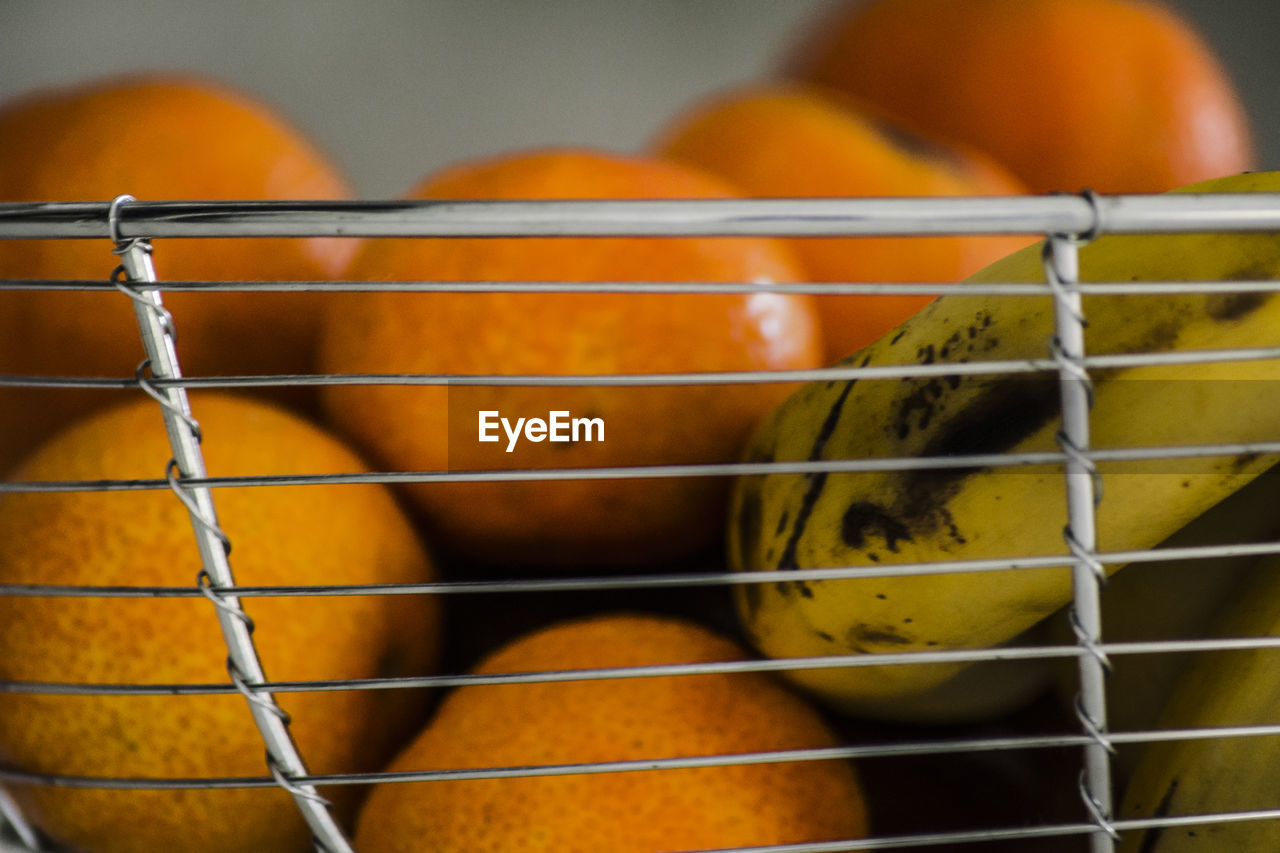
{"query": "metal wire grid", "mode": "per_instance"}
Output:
(1065, 220)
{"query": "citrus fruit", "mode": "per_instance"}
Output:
(281, 535)
(1120, 96)
(789, 140)
(159, 137)
(516, 332)
(529, 725)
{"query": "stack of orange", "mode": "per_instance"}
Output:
(288, 535)
(1119, 96)
(883, 98)
(984, 97)
(158, 137)
(788, 140)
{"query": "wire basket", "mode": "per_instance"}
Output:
(1079, 749)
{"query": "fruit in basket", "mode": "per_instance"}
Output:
(1115, 95)
(788, 140)
(630, 719)
(157, 136)
(439, 428)
(787, 521)
(281, 535)
(1223, 774)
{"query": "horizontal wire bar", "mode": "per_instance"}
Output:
(607, 287)
(657, 581)
(940, 747)
(1196, 819)
(508, 772)
(558, 676)
(543, 218)
(725, 377)
(930, 839)
(1101, 361)
(726, 469)
(823, 217)
(12, 775)
(924, 839)
(1104, 361)
(874, 842)
(571, 584)
(825, 288)
(846, 753)
(1189, 552)
(837, 753)
(105, 383)
(1106, 455)
(913, 658)
(911, 748)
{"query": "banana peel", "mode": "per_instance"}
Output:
(783, 521)
(1174, 599)
(1219, 775)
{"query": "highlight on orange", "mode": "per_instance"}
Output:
(588, 521)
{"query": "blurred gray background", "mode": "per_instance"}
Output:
(394, 89)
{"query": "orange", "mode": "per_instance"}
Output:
(157, 136)
(631, 719)
(1121, 96)
(281, 535)
(436, 428)
(785, 140)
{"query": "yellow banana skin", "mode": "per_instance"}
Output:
(782, 521)
(1170, 600)
(1211, 776)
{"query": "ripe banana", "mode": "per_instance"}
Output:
(1211, 776)
(1177, 599)
(783, 521)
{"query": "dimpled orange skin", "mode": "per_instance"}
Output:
(787, 140)
(280, 535)
(432, 429)
(608, 720)
(1121, 96)
(159, 136)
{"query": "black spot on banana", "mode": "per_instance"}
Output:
(1162, 810)
(862, 518)
(815, 483)
(877, 518)
(1229, 306)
